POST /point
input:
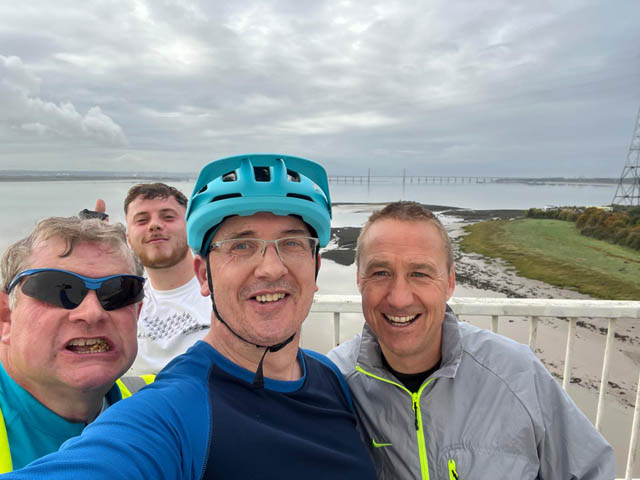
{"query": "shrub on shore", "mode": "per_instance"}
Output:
(620, 226)
(569, 214)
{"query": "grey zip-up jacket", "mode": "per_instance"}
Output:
(491, 411)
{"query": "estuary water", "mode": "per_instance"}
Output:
(23, 203)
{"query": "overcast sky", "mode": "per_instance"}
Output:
(485, 87)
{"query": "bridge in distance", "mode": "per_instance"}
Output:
(409, 179)
(425, 179)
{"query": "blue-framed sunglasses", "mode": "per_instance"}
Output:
(65, 289)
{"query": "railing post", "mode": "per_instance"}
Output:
(494, 323)
(533, 332)
(631, 458)
(605, 371)
(566, 379)
(535, 310)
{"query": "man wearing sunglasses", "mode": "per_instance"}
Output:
(69, 303)
(245, 403)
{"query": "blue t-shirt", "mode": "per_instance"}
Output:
(32, 429)
(202, 419)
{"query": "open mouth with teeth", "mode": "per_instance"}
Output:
(88, 345)
(400, 321)
(270, 297)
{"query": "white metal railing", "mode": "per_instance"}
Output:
(532, 309)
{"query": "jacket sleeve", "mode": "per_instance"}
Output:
(142, 437)
(569, 446)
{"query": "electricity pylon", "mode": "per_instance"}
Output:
(628, 193)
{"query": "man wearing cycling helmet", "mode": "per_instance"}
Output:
(69, 304)
(246, 402)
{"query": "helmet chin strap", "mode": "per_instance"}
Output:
(258, 380)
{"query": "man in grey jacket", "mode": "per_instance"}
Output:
(441, 399)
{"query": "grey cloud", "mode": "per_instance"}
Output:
(23, 108)
(493, 86)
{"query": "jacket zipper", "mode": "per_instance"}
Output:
(415, 398)
(422, 446)
(453, 475)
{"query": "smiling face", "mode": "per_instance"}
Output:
(264, 299)
(405, 284)
(49, 350)
(156, 231)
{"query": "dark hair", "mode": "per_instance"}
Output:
(149, 191)
(407, 212)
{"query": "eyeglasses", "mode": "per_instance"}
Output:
(289, 249)
(67, 289)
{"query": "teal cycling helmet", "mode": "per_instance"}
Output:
(248, 184)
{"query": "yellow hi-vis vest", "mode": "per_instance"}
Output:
(130, 385)
(127, 385)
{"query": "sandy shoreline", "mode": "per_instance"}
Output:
(479, 276)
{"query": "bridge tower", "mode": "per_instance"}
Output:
(628, 193)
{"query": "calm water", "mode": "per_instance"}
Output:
(23, 203)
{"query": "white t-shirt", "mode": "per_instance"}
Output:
(170, 322)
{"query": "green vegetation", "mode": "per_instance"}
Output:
(555, 252)
(620, 225)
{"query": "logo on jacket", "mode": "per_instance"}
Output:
(379, 445)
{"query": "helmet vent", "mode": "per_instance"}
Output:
(302, 197)
(224, 197)
(293, 176)
(230, 177)
(262, 174)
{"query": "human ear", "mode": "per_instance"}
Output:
(5, 318)
(318, 263)
(359, 285)
(200, 269)
(451, 282)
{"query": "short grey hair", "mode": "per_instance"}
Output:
(71, 230)
(406, 211)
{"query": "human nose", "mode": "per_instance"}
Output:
(400, 294)
(90, 310)
(155, 223)
(270, 262)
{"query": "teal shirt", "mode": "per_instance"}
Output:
(32, 429)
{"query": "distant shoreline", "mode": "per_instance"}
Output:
(46, 176)
(93, 178)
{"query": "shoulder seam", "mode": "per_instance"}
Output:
(501, 378)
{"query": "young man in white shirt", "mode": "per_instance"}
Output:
(174, 314)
